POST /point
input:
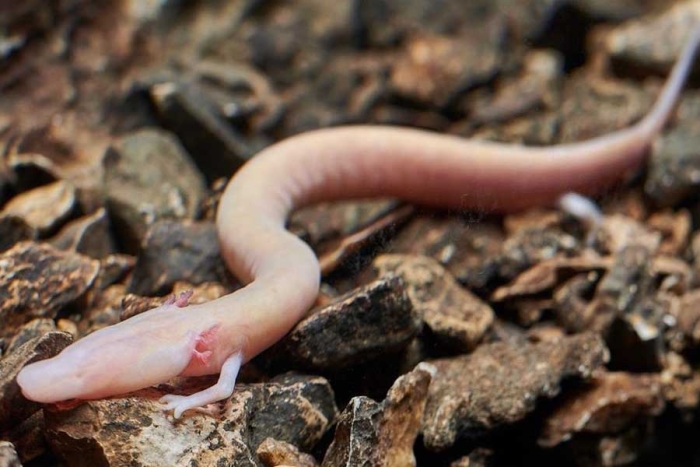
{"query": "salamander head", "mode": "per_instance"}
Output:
(139, 352)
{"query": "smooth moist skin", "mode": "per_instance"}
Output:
(282, 272)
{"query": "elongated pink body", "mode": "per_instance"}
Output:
(281, 270)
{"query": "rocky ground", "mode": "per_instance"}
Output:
(439, 338)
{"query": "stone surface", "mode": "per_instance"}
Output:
(458, 318)
(534, 89)
(134, 430)
(434, 69)
(274, 453)
(34, 328)
(177, 251)
(8, 455)
(373, 320)
(499, 384)
(14, 230)
(43, 208)
(217, 148)
(653, 42)
(382, 434)
(148, 177)
(14, 408)
(468, 248)
(674, 165)
(37, 280)
(608, 404)
(88, 235)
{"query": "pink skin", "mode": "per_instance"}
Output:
(282, 271)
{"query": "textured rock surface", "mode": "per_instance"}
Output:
(148, 177)
(36, 280)
(499, 384)
(458, 318)
(611, 403)
(43, 208)
(382, 434)
(134, 430)
(177, 251)
(13, 406)
(370, 321)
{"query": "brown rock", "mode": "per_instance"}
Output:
(335, 253)
(327, 221)
(469, 250)
(217, 147)
(675, 229)
(610, 403)
(148, 177)
(36, 281)
(14, 408)
(593, 106)
(530, 245)
(457, 317)
(114, 268)
(134, 430)
(434, 69)
(674, 164)
(372, 320)
(382, 434)
(653, 42)
(13, 230)
(43, 208)
(499, 384)
(34, 328)
(545, 275)
(8, 455)
(274, 453)
(534, 89)
(88, 235)
(177, 251)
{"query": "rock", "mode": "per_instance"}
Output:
(593, 106)
(133, 429)
(372, 320)
(177, 251)
(326, 221)
(88, 235)
(14, 230)
(382, 434)
(530, 245)
(218, 149)
(608, 404)
(532, 90)
(8, 455)
(654, 42)
(43, 209)
(674, 165)
(499, 384)
(468, 249)
(274, 453)
(434, 69)
(458, 318)
(114, 268)
(14, 408)
(148, 177)
(35, 328)
(37, 280)
(341, 232)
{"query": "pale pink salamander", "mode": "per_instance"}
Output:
(282, 272)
